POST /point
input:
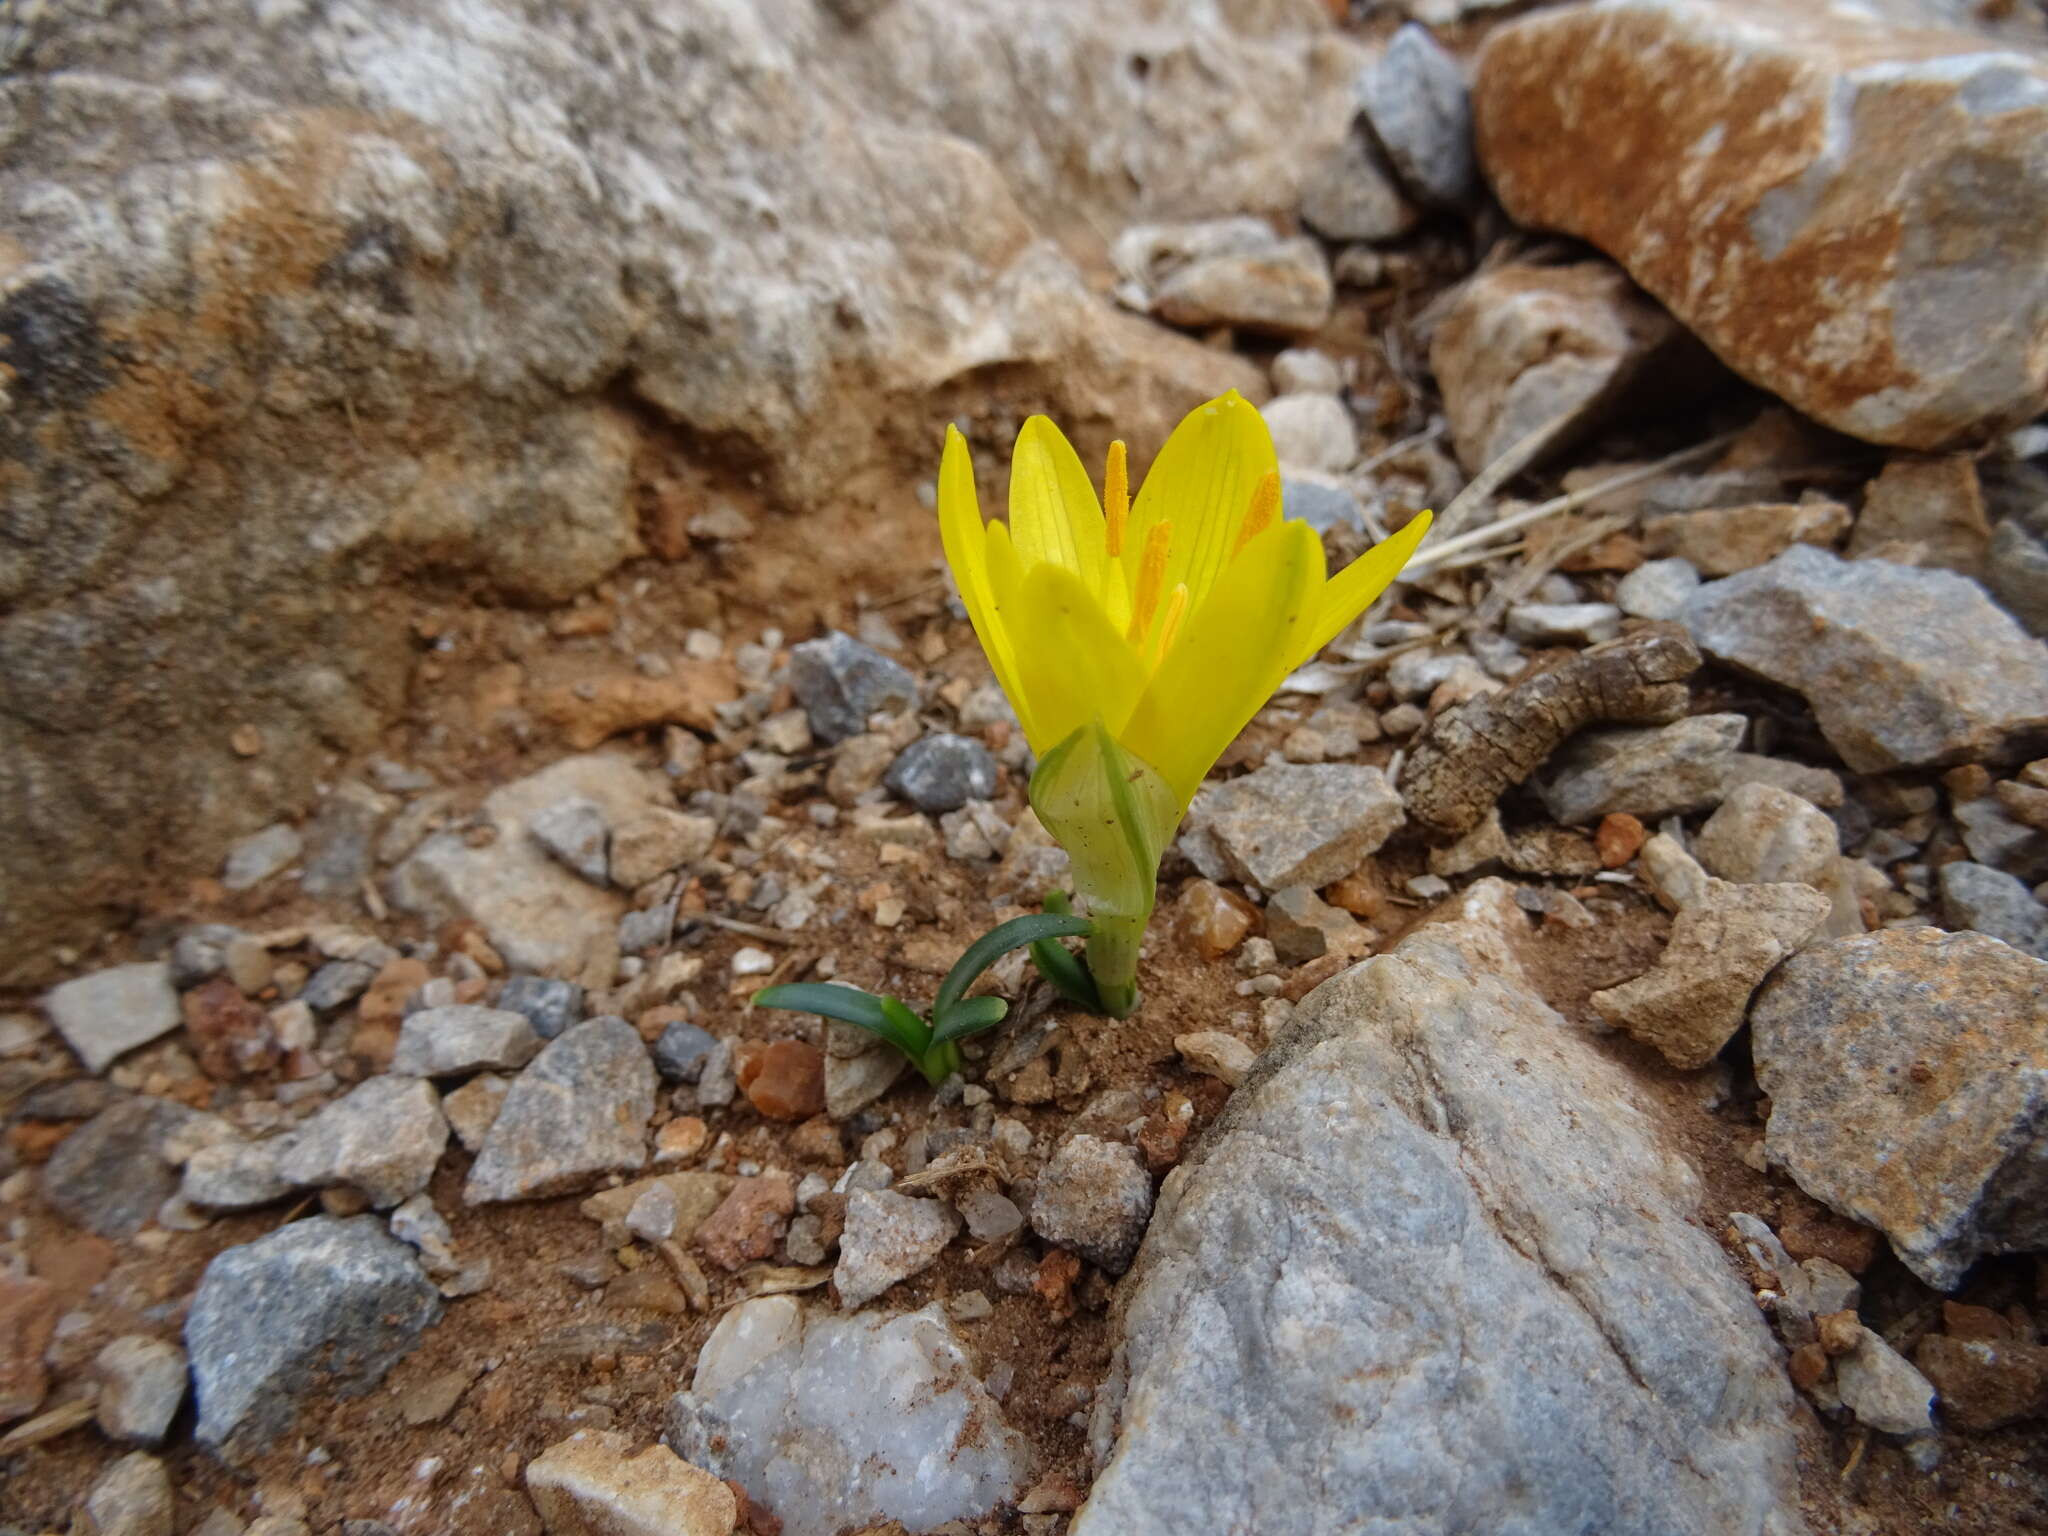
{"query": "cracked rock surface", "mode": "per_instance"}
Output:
(1433, 1268)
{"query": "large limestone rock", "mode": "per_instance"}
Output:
(1847, 203)
(1434, 1271)
(292, 315)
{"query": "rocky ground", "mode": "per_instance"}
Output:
(1590, 1071)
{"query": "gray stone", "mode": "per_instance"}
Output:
(1723, 944)
(1997, 839)
(131, 1498)
(1312, 432)
(578, 1112)
(1563, 623)
(852, 1083)
(237, 1175)
(1989, 901)
(1436, 1251)
(1668, 770)
(1415, 98)
(537, 914)
(839, 1422)
(318, 1307)
(1235, 272)
(110, 1175)
(989, 1216)
(340, 839)
(942, 772)
(1881, 1387)
(1297, 823)
(550, 1005)
(888, 1237)
(108, 1013)
(1303, 927)
(1094, 1197)
(142, 1382)
(578, 833)
(1903, 667)
(254, 859)
(473, 1108)
(647, 928)
(682, 1050)
(1657, 589)
(1908, 1076)
(1762, 833)
(337, 984)
(383, 1139)
(201, 953)
(1323, 502)
(2017, 574)
(840, 682)
(463, 1038)
(1351, 195)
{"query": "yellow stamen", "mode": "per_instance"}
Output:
(1116, 498)
(1169, 627)
(1259, 515)
(1151, 578)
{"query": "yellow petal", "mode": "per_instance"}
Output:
(1054, 516)
(1202, 482)
(1352, 590)
(1005, 585)
(1232, 653)
(962, 533)
(1075, 666)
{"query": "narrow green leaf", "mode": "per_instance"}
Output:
(968, 1017)
(908, 1033)
(1068, 975)
(842, 1003)
(999, 941)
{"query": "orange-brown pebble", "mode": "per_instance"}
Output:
(1358, 895)
(784, 1079)
(1618, 839)
(1215, 921)
(1840, 1332)
(1809, 1363)
(749, 1222)
(681, 1139)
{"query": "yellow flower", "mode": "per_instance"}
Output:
(1169, 620)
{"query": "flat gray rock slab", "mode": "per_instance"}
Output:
(322, 1306)
(1433, 1272)
(108, 1013)
(578, 1112)
(1904, 667)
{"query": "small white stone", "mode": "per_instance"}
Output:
(752, 962)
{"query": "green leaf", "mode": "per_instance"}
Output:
(909, 1034)
(1068, 975)
(997, 942)
(968, 1017)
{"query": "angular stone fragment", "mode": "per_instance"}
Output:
(1924, 511)
(1298, 823)
(579, 1111)
(1687, 766)
(463, 1038)
(1437, 1252)
(1848, 207)
(28, 1317)
(1908, 1076)
(587, 1485)
(1719, 541)
(575, 830)
(1094, 1197)
(383, 1139)
(131, 1498)
(1523, 347)
(1483, 747)
(1227, 272)
(840, 682)
(888, 1237)
(1904, 668)
(1880, 1386)
(1992, 902)
(942, 772)
(142, 1382)
(1414, 97)
(319, 1306)
(110, 1175)
(236, 1175)
(1691, 1003)
(837, 1423)
(109, 1013)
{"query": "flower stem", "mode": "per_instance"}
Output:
(940, 1062)
(1113, 960)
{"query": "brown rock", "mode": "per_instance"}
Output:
(1840, 1332)
(1215, 920)
(1809, 1230)
(1619, 837)
(1054, 1285)
(783, 1079)
(231, 1036)
(1925, 511)
(1833, 210)
(2026, 804)
(28, 1317)
(383, 1001)
(1984, 1383)
(1724, 540)
(1691, 1003)
(593, 705)
(1807, 1365)
(749, 1222)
